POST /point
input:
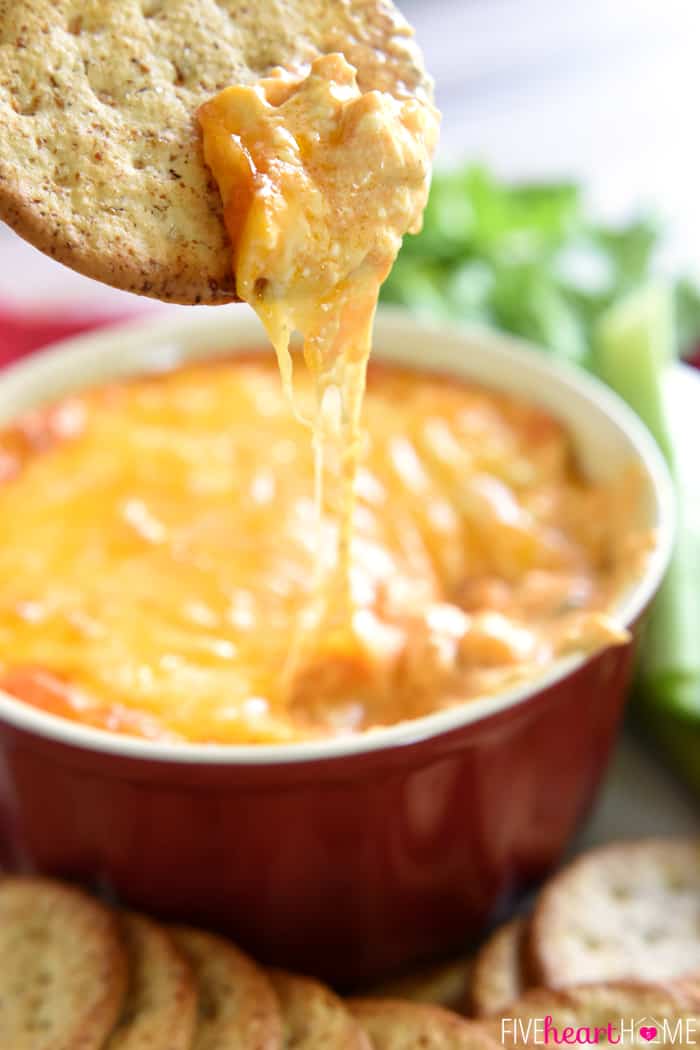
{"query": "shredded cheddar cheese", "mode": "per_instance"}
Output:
(157, 545)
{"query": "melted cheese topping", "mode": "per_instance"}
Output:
(320, 182)
(157, 546)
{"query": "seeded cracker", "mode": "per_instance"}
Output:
(630, 910)
(62, 968)
(395, 1025)
(313, 1018)
(443, 984)
(237, 1005)
(498, 969)
(160, 1008)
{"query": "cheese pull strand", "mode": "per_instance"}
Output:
(319, 183)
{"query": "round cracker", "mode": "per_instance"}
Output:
(393, 1024)
(497, 978)
(101, 164)
(237, 1004)
(313, 1017)
(62, 967)
(630, 910)
(160, 1008)
(637, 1004)
(445, 984)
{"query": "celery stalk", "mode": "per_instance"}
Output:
(670, 659)
(634, 346)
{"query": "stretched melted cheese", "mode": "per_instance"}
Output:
(157, 547)
(320, 182)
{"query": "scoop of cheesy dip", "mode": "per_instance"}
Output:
(158, 539)
(319, 182)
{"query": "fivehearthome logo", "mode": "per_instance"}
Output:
(624, 1031)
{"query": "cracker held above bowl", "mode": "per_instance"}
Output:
(101, 162)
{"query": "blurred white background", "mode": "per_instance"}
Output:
(606, 91)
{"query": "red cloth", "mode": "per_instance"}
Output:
(22, 331)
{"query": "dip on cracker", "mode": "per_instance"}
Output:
(101, 161)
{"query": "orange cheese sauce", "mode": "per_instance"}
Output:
(320, 181)
(158, 537)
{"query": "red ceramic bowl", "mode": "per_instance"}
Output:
(349, 858)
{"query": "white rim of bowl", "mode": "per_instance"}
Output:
(211, 323)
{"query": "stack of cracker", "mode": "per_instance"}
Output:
(614, 936)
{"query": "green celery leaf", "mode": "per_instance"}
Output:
(417, 284)
(630, 249)
(527, 302)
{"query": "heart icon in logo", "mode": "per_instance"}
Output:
(648, 1033)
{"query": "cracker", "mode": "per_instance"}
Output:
(237, 1005)
(101, 163)
(62, 967)
(445, 984)
(498, 969)
(313, 1017)
(637, 1005)
(392, 1024)
(630, 910)
(160, 1008)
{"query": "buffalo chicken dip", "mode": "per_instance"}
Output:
(159, 545)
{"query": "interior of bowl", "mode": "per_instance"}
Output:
(607, 436)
